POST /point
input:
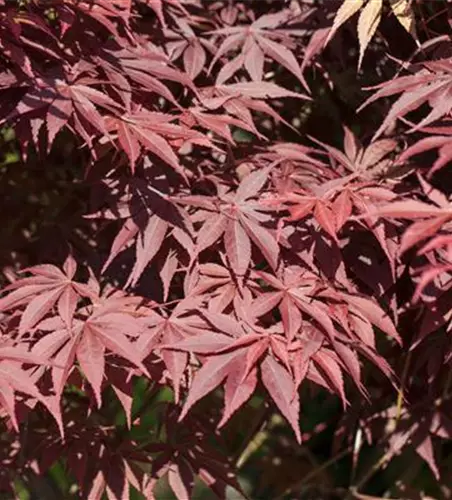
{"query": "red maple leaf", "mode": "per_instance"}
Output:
(48, 286)
(256, 41)
(238, 218)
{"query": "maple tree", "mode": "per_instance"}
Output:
(226, 223)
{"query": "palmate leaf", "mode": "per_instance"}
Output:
(431, 84)
(222, 124)
(60, 102)
(258, 90)
(367, 163)
(149, 219)
(329, 198)
(297, 291)
(148, 65)
(14, 378)
(87, 342)
(238, 100)
(429, 217)
(369, 19)
(368, 22)
(48, 286)
(332, 204)
(103, 13)
(239, 222)
(300, 294)
(19, 33)
(148, 244)
(255, 42)
(279, 385)
(153, 132)
(221, 288)
(347, 9)
(442, 142)
(149, 236)
(226, 357)
(184, 43)
(171, 328)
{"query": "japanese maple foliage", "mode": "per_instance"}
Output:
(222, 223)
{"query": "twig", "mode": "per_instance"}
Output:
(400, 396)
(249, 444)
(298, 484)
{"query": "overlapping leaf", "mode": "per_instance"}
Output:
(369, 19)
